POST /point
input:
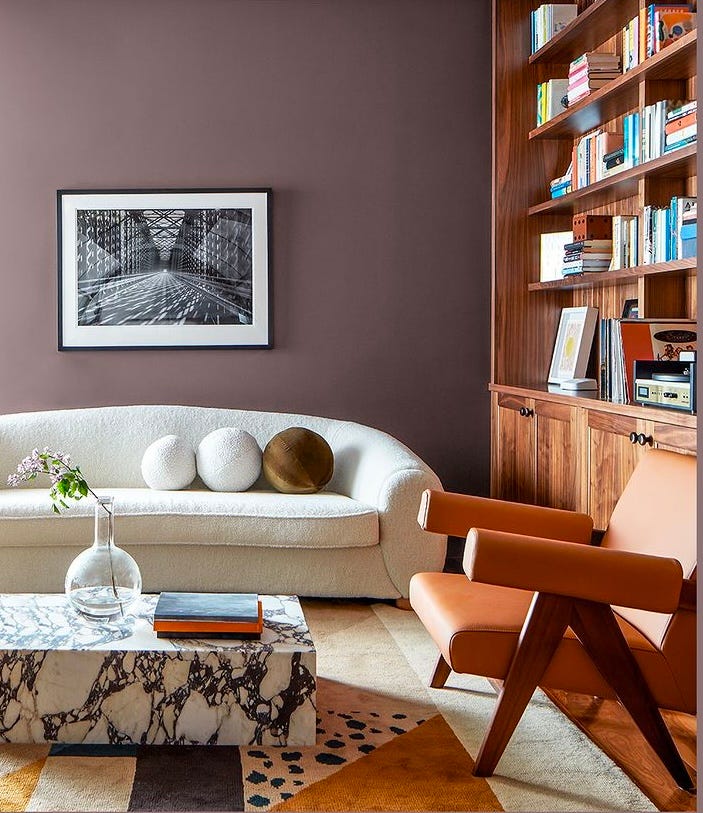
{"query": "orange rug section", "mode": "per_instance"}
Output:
(16, 788)
(425, 769)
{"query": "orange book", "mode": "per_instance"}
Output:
(678, 124)
(181, 625)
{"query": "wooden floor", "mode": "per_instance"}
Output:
(608, 724)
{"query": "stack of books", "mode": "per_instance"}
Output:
(680, 126)
(587, 255)
(688, 234)
(551, 97)
(549, 20)
(562, 185)
(590, 72)
(208, 615)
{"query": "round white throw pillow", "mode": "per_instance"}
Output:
(169, 464)
(229, 460)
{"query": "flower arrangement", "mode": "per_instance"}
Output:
(103, 579)
(67, 481)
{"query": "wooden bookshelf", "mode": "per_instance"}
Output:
(622, 275)
(560, 447)
(622, 94)
(591, 28)
(679, 164)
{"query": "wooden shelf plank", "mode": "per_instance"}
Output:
(677, 164)
(592, 401)
(598, 23)
(594, 279)
(677, 61)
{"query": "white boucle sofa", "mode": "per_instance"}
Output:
(358, 537)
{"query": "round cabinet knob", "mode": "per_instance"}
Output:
(633, 437)
(523, 411)
(645, 440)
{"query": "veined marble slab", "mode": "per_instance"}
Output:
(66, 679)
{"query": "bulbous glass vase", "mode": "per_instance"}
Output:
(103, 580)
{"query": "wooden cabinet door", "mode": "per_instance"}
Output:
(558, 475)
(612, 458)
(513, 448)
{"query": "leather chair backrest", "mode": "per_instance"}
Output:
(656, 514)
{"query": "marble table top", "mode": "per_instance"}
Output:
(35, 621)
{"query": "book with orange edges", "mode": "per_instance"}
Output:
(211, 614)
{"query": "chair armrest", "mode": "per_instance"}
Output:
(454, 514)
(623, 578)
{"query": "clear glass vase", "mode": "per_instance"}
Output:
(103, 580)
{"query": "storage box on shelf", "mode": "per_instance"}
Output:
(565, 450)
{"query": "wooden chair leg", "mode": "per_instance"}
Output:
(602, 638)
(544, 627)
(441, 673)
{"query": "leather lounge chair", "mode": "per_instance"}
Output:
(540, 605)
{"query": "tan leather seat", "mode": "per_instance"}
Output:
(528, 565)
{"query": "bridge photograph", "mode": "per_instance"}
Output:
(164, 267)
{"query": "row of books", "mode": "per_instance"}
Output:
(590, 72)
(667, 125)
(670, 232)
(548, 20)
(625, 242)
(623, 341)
(550, 99)
(208, 615)
(591, 158)
(652, 30)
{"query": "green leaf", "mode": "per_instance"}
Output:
(55, 509)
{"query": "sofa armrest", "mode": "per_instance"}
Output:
(456, 514)
(624, 578)
(377, 469)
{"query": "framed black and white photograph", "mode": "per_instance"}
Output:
(143, 269)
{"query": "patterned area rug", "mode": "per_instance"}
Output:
(385, 742)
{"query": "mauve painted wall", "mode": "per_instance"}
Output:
(370, 121)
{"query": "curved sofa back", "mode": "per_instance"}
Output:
(108, 442)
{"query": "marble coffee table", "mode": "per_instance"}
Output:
(65, 679)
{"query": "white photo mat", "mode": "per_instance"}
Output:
(572, 347)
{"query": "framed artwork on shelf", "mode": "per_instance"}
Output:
(630, 310)
(164, 269)
(573, 344)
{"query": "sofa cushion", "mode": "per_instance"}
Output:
(229, 459)
(169, 463)
(298, 461)
(143, 516)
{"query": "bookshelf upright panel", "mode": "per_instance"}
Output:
(525, 311)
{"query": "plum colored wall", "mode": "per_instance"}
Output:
(370, 119)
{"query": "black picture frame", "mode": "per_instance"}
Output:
(630, 310)
(164, 269)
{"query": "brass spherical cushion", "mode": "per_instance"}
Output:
(298, 461)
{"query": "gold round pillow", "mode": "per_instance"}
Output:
(298, 461)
